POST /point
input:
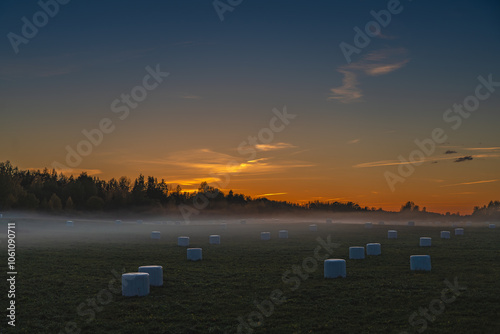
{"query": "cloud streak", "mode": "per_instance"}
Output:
(382, 163)
(272, 147)
(469, 183)
(198, 162)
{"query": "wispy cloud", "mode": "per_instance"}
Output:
(199, 162)
(194, 181)
(375, 63)
(271, 194)
(272, 147)
(349, 91)
(469, 183)
(483, 148)
(354, 141)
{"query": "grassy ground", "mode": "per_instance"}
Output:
(66, 284)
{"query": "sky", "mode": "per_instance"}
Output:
(375, 102)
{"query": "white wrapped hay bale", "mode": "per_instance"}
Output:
(392, 234)
(70, 223)
(445, 235)
(118, 222)
(368, 225)
(313, 227)
(283, 234)
(135, 284)
(411, 223)
(183, 241)
(334, 268)
(265, 235)
(420, 262)
(356, 253)
(194, 254)
(491, 225)
(459, 231)
(155, 274)
(373, 249)
(155, 235)
(214, 239)
(425, 241)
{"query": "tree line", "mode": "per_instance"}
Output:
(55, 192)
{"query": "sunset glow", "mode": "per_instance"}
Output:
(263, 105)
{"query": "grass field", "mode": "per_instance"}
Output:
(69, 280)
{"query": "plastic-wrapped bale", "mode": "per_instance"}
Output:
(155, 235)
(491, 225)
(381, 223)
(313, 227)
(70, 223)
(368, 225)
(356, 253)
(155, 274)
(392, 234)
(420, 262)
(334, 268)
(214, 239)
(329, 221)
(373, 249)
(1, 215)
(139, 221)
(183, 241)
(425, 241)
(118, 222)
(283, 234)
(135, 284)
(194, 254)
(265, 235)
(411, 223)
(445, 235)
(459, 231)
